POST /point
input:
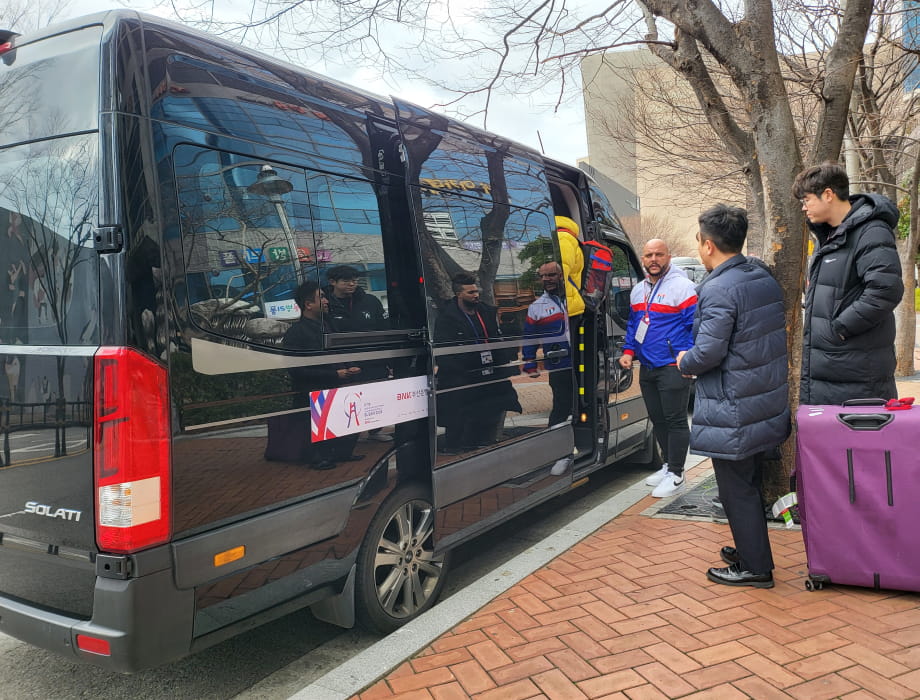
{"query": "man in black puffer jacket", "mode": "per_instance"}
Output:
(854, 283)
(352, 309)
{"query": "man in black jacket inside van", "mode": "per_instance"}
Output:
(472, 416)
(350, 307)
(307, 334)
(352, 310)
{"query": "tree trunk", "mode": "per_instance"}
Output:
(906, 311)
(907, 318)
(784, 250)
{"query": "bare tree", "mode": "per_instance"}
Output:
(24, 15)
(661, 226)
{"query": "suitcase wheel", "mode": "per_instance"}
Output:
(813, 584)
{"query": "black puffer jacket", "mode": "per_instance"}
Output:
(854, 283)
(739, 357)
(360, 312)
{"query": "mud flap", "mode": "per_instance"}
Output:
(338, 609)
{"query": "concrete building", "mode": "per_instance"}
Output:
(628, 138)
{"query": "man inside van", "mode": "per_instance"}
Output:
(546, 319)
(352, 310)
(307, 334)
(472, 413)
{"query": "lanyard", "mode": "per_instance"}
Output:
(651, 296)
(485, 333)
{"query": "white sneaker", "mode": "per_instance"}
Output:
(656, 477)
(376, 436)
(669, 485)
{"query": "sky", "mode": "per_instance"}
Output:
(523, 118)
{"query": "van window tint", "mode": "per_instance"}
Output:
(49, 294)
(501, 246)
(351, 247)
(50, 87)
(603, 211)
(209, 96)
(252, 231)
(247, 242)
(622, 281)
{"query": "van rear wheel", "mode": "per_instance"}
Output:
(399, 576)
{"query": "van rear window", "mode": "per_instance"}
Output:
(49, 286)
(50, 87)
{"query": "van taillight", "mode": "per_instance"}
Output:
(131, 455)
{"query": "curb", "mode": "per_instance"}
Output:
(374, 662)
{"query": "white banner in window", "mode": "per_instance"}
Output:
(353, 409)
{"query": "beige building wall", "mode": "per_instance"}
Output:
(670, 198)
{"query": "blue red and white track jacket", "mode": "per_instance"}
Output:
(670, 306)
(546, 319)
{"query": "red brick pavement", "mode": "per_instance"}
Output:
(628, 613)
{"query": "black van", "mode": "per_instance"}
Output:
(189, 445)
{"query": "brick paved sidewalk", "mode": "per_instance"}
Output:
(628, 613)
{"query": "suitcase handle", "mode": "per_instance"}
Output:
(864, 402)
(865, 421)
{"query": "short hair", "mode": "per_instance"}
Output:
(725, 226)
(461, 280)
(342, 272)
(306, 292)
(818, 178)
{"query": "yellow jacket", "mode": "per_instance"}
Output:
(573, 264)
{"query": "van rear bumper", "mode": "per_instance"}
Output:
(147, 622)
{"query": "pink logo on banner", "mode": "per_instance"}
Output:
(321, 407)
(352, 401)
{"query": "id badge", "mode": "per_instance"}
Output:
(642, 329)
(486, 357)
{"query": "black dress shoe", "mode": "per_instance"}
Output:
(729, 555)
(323, 465)
(732, 575)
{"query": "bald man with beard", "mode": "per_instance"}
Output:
(660, 326)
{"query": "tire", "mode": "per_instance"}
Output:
(398, 574)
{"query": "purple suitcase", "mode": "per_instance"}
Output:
(858, 487)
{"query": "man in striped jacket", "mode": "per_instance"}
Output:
(546, 325)
(660, 326)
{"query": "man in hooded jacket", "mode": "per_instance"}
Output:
(854, 283)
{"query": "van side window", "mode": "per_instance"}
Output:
(359, 265)
(624, 278)
(504, 259)
(247, 242)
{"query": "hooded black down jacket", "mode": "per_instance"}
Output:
(854, 283)
(739, 357)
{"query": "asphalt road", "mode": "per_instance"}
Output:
(279, 658)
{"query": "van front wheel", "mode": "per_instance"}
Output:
(399, 576)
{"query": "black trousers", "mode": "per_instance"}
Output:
(742, 498)
(560, 381)
(666, 394)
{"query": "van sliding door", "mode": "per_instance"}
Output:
(500, 336)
